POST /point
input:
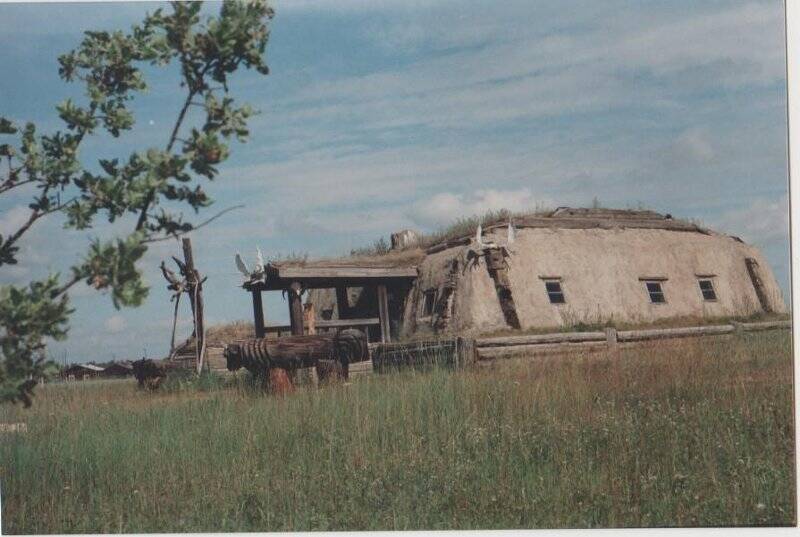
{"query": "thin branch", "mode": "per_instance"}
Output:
(66, 287)
(11, 185)
(194, 228)
(152, 193)
(35, 215)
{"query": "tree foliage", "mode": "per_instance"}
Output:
(151, 189)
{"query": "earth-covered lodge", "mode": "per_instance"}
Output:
(552, 270)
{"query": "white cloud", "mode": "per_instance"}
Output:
(524, 75)
(693, 146)
(446, 207)
(115, 324)
(761, 222)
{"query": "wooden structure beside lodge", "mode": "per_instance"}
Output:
(383, 282)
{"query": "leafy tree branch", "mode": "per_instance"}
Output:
(147, 187)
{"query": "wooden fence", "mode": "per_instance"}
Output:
(451, 352)
(498, 347)
(461, 351)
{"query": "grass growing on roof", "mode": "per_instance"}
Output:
(696, 433)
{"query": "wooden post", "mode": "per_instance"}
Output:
(309, 318)
(342, 302)
(196, 300)
(612, 341)
(258, 314)
(383, 313)
(296, 309)
(466, 352)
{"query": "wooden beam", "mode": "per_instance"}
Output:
(258, 314)
(296, 309)
(279, 284)
(337, 323)
(383, 313)
(293, 272)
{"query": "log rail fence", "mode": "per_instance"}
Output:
(610, 339)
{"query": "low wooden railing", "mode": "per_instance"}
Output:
(325, 326)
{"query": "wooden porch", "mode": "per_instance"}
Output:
(293, 279)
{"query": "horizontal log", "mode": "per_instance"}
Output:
(299, 273)
(662, 333)
(767, 325)
(295, 352)
(492, 353)
(539, 339)
(337, 323)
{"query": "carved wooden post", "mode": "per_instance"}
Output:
(258, 314)
(383, 313)
(296, 309)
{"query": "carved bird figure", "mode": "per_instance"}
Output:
(241, 266)
(259, 268)
(512, 234)
(171, 277)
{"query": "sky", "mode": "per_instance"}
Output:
(381, 115)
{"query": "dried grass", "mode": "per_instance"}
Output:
(698, 433)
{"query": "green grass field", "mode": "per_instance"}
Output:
(685, 434)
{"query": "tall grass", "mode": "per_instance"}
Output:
(699, 434)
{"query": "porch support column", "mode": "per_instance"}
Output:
(342, 302)
(258, 313)
(383, 313)
(296, 309)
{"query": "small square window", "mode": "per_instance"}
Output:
(656, 292)
(554, 292)
(707, 288)
(429, 299)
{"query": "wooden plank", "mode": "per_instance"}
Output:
(299, 273)
(338, 323)
(296, 309)
(383, 313)
(539, 339)
(258, 314)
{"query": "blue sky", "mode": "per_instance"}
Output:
(384, 115)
